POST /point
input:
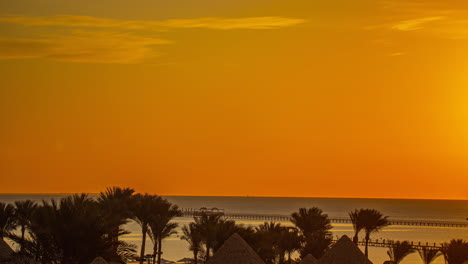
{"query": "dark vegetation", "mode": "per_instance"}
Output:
(77, 228)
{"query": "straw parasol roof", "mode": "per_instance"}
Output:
(185, 260)
(235, 251)
(344, 252)
(99, 260)
(5, 250)
(309, 259)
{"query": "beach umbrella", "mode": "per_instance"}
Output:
(344, 252)
(99, 260)
(309, 259)
(235, 251)
(185, 260)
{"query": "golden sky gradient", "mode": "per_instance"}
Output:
(330, 98)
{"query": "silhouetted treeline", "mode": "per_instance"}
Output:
(76, 229)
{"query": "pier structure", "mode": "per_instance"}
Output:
(190, 212)
(389, 243)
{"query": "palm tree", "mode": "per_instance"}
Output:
(269, 235)
(311, 221)
(7, 219)
(399, 250)
(224, 230)
(290, 241)
(207, 225)
(161, 226)
(68, 231)
(23, 214)
(115, 203)
(193, 236)
(429, 255)
(144, 208)
(455, 252)
(355, 217)
(315, 227)
(372, 221)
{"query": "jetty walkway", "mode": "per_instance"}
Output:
(389, 243)
(190, 212)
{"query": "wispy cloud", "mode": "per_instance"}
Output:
(83, 47)
(434, 18)
(415, 24)
(102, 40)
(207, 23)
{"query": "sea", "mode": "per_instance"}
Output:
(425, 210)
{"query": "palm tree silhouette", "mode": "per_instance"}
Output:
(428, 255)
(161, 227)
(224, 230)
(290, 241)
(145, 206)
(194, 237)
(68, 231)
(315, 227)
(269, 235)
(23, 213)
(7, 219)
(115, 204)
(372, 221)
(399, 250)
(207, 225)
(355, 217)
(455, 252)
(311, 221)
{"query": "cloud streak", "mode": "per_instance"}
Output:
(415, 24)
(102, 40)
(432, 18)
(83, 47)
(204, 23)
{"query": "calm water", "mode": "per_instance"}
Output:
(175, 249)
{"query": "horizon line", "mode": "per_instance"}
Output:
(254, 196)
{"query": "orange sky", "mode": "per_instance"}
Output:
(248, 97)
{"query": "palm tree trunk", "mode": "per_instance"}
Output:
(23, 230)
(155, 250)
(356, 237)
(195, 256)
(208, 247)
(289, 257)
(367, 244)
(143, 243)
(159, 249)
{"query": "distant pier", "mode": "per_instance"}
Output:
(389, 243)
(190, 212)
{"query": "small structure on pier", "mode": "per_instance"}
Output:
(208, 211)
(344, 252)
(309, 259)
(235, 251)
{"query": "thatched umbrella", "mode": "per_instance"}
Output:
(344, 252)
(99, 260)
(309, 259)
(235, 251)
(185, 260)
(5, 250)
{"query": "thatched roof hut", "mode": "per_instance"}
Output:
(344, 252)
(5, 250)
(99, 260)
(235, 251)
(309, 259)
